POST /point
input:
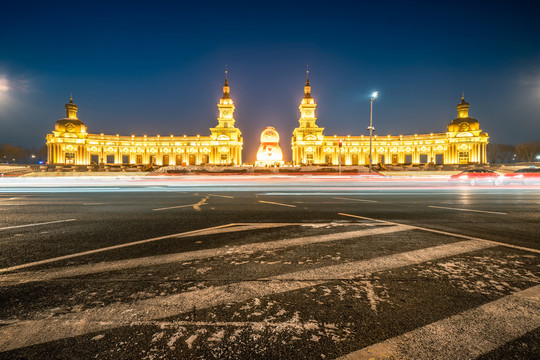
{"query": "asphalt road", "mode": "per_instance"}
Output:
(268, 268)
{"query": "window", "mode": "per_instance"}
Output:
(139, 159)
(328, 159)
(110, 159)
(70, 158)
(223, 158)
(439, 159)
(463, 157)
(178, 159)
(309, 158)
(125, 159)
(408, 159)
(94, 159)
(423, 159)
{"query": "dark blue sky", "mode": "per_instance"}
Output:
(157, 67)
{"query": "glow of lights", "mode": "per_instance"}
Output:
(375, 94)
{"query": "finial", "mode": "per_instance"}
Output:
(307, 75)
(463, 96)
(71, 98)
(226, 80)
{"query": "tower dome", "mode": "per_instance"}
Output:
(463, 122)
(70, 124)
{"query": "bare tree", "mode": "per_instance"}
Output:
(500, 153)
(528, 151)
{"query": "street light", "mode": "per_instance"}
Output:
(371, 128)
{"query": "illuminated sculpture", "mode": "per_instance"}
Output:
(269, 153)
(463, 142)
(70, 143)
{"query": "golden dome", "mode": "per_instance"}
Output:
(70, 124)
(463, 123)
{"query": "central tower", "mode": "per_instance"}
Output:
(307, 107)
(307, 138)
(225, 135)
(226, 107)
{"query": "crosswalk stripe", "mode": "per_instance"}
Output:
(206, 231)
(32, 332)
(463, 336)
(443, 232)
(44, 275)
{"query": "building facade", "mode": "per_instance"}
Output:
(71, 144)
(462, 143)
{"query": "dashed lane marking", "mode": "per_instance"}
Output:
(223, 196)
(470, 210)
(32, 332)
(361, 200)
(45, 275)
(275, 203)
(444, 233)
(463, 336)
(36, 224)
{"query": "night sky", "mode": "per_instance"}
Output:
(158, 68)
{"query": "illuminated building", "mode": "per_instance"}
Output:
(269, 152)
(462, 143)
(71, 144)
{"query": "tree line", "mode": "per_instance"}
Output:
(502, 153)
(13, 154)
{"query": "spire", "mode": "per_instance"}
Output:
(307, 88)
(226, 88)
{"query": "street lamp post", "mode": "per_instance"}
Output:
(371, 128)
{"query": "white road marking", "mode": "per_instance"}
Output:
(196, 206)
(175, 207)
(463, 336)
(223, 196)
(458, 209)
(93, 204)
(444, 233)
(362, 200)
(37, 224)
(214, 229)
(275, 203)
(32, 332)
(45, 275)
(207, 231)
